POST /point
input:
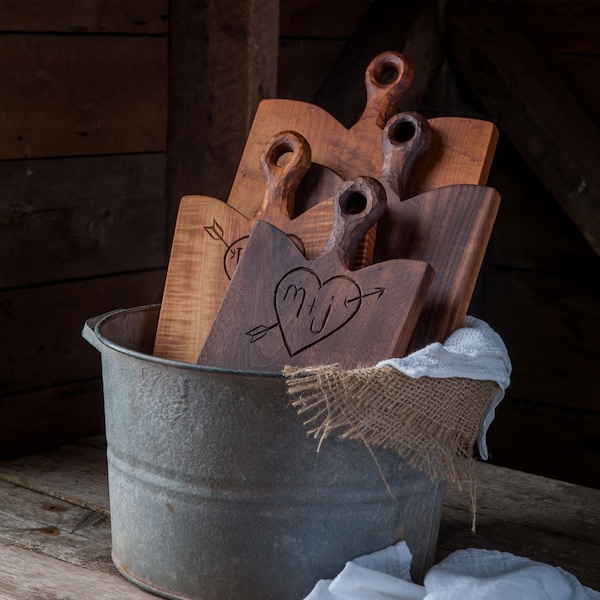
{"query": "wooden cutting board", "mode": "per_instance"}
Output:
(210, 237)
(282, 309)
(348, 152)
(448, 227)
(461, 149)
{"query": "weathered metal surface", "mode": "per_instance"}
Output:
(216, 491)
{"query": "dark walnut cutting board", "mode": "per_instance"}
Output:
(283, 309)
(447, 227)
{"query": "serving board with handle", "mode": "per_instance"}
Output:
(209, 240)
(449, 228)
(461, 149)
(283, 309)
(348, 152)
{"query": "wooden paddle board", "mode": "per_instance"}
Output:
(282, 309)
(348, 152)
(210, 237)
(449, 228)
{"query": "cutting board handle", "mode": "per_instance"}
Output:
(285, 160)
(387, 79)
(357, 206)
(406, 137)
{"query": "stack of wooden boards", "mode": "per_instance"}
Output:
(336, 245)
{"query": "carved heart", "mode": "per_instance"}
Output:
(309, 310)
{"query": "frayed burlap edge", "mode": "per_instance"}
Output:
(432, 423)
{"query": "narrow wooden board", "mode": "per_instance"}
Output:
(43, 325)
(25, 575)
(349, 152)
(54, 527)
(94, 16)
(558, 524)
(82, 95)
(96, 216)
(73, 473)
(281, 309)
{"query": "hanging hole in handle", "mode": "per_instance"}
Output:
(403, 131)
(353, 203)
(386, 74)
(281, 154)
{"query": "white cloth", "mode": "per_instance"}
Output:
(464, 575)
(475, 351)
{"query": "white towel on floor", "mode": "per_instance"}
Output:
(464, 575)
(475, 351)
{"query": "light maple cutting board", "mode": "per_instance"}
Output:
(283, 309)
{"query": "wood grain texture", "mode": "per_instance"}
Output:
(27, 575)
(222, 62)
(76, 473)
(95, 16)
(448, 227)
(532, 106)
(536, 517)
(210, 237)
(82, 95)
(281, 309)
(40, 327)
(349, 152)
(80, 217)
(521, 513)
(461, 151)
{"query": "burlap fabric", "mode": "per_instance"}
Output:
(432, 423)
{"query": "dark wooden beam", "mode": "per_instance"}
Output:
(532, 106)
(223, 61)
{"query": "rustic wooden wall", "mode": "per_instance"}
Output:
(83, 129)
(83, 172)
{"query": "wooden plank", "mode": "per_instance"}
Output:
(387, 25)
(54, 527)
(336, 18)
(549, 440)
(25, 575)
(550, 325)
(48, 417)
(74, 473)
(223, 61)
(82, 95)
(93, 16)
(40, 327)
(80, 217)
(531, 105)
(580, 558)
(543, 519)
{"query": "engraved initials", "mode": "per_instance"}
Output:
(309, 310)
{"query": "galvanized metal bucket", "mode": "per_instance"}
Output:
(217, 492)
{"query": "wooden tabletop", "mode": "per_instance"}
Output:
(55, 524)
